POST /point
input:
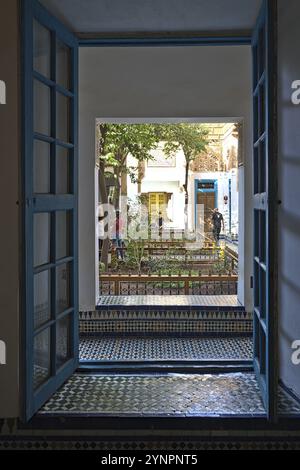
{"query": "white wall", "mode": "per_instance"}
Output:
(289, 191)
(234, 201)
(168, 179)
(9, 196)
(171, 173)
(152, 82)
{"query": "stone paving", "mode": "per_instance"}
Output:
(170, 300)
(215, 395)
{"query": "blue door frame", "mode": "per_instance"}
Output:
(265, 206)
(33, 203)
(50, 262)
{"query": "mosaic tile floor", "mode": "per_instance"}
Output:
(134, 348)
(170, 300)
(162, 395)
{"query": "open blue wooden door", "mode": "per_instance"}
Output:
(264, 204)
(50, 268)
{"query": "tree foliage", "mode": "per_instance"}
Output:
(192, 139)
(117, 141)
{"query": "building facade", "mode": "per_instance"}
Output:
(213, 183)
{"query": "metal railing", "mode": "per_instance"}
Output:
(126, 284)
(233, 258)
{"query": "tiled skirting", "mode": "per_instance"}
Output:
(164, 321)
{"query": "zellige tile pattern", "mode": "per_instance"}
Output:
(140, 348)
(146, 395)
(212, 395)
(167, 314)
(170, 300)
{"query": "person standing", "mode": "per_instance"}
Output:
(160, 224)
(120, 245)
(218, 224)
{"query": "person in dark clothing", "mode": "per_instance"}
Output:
(118, 240)
(218, 223)
(160, 224)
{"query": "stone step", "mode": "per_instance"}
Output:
(167, 314)
(132, 348)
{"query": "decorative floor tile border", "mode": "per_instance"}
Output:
(181, 445)
(166, 321)
(166, 327)
(140, 313)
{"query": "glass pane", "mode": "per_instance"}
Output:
(262, 168)
(63, 300)
(41, 238)
(42, 118)
(256, 285)
(256, 233)
(62, 170)
(62, 234)
(256, 170)
(263, 238)
(62, 117)
(62, 64)
(256, 338)
(41, 356)
(42, 303)
(262, 110)
(41, 167)
(255, 117)
(63, 341)
(255, 52)
(261, 52)
(263, 293)
(42, 49)
(262, 349)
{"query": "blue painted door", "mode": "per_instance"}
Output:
(264, 205)
(50, 267)
(206, 198)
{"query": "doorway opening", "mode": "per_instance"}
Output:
(50, 121)
(167, 233)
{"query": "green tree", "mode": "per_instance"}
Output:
(192, 139)
(103, 196)
(117, 141)
(135, 254)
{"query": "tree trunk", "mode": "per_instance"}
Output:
(124, 183)
(186, 196)
(103, 197)
(118, 171)
(141, 175)
(103, 200)
(117, 192)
